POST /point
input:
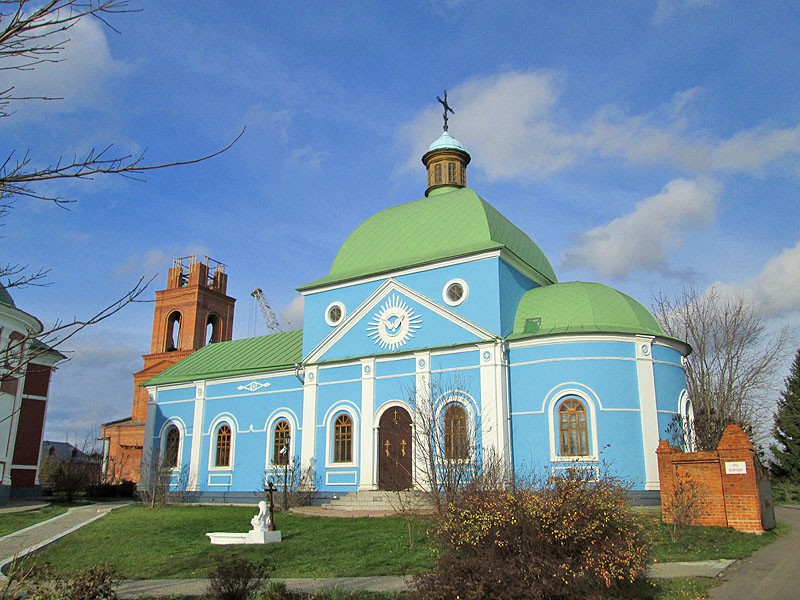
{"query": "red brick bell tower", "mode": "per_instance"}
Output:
(191, 312)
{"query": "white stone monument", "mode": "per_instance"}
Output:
(259, 534)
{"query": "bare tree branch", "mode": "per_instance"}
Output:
(731, 370)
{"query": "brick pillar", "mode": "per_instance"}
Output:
(739, 485)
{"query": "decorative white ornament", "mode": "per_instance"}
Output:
(253, 386)
(394, 323)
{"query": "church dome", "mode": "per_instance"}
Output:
(453, 223)
(446, 141)
(579, 307)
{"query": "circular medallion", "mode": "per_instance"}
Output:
(394, 324)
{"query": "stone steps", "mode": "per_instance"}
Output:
(380, 501)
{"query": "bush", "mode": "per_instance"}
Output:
(786, 492)
(685, 504)
(123, 489)
(94, 583)
(236, 578)
(572, 537)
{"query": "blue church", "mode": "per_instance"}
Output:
(439, 312)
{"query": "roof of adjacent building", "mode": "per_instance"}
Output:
(5, 297)
(449, 224)
(238, 357)
(580, 307)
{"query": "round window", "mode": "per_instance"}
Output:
(455, 292)
(334, 313)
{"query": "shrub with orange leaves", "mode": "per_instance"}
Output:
(571, 537)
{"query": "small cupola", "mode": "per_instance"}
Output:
(446, 160)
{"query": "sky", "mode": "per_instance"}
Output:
(646, 145)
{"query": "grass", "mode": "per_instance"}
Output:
(165, 543)
(144, 543)
(14, 521)
(702, 543)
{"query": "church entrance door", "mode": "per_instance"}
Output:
(394, 450)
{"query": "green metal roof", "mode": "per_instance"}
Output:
(578, 307)
(5, 297)
(239, 357)
(446, 225)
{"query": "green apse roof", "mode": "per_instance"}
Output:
(578, 307)
(239, 357)
(446, 225)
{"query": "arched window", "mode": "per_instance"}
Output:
(451, 172)
(173, 332)
(437, 173)
(212, 329)
(280, 443)
(343, 439)
(171, 447)
(686, 415)
(223, 454)
(456, 437)
(573, 430)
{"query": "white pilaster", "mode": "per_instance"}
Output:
(648, 412)
(423, 405)
(494, 410)
(367, 437)
(197, 437)
(307, 459)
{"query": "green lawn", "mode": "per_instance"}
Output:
(144, 543)
(702, 543)
(11, 522)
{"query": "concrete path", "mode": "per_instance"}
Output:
(772, 573)
(37, 536)
(158, 588)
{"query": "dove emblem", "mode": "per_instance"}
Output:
(394, 324)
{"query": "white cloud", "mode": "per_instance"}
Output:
(94, 387)
(667, 9)
(84, 66)
(775, 290)
(292, 315)
(258, 116)
(156, 260)
(513, 124)
(308, 157)
(642, 239)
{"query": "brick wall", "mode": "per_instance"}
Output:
(727, 478)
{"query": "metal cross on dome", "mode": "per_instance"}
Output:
(446, 109)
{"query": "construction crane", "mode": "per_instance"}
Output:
(270, 320)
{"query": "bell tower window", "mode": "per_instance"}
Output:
(212, 329)
(437, 173)
(173, 332)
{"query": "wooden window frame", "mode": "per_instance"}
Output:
(343, 439)
(172, 447)
(573, 428)
(224, 442)
(281, 438)
(456, 433)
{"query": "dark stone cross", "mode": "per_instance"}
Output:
(271, 490)
(446, 107)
